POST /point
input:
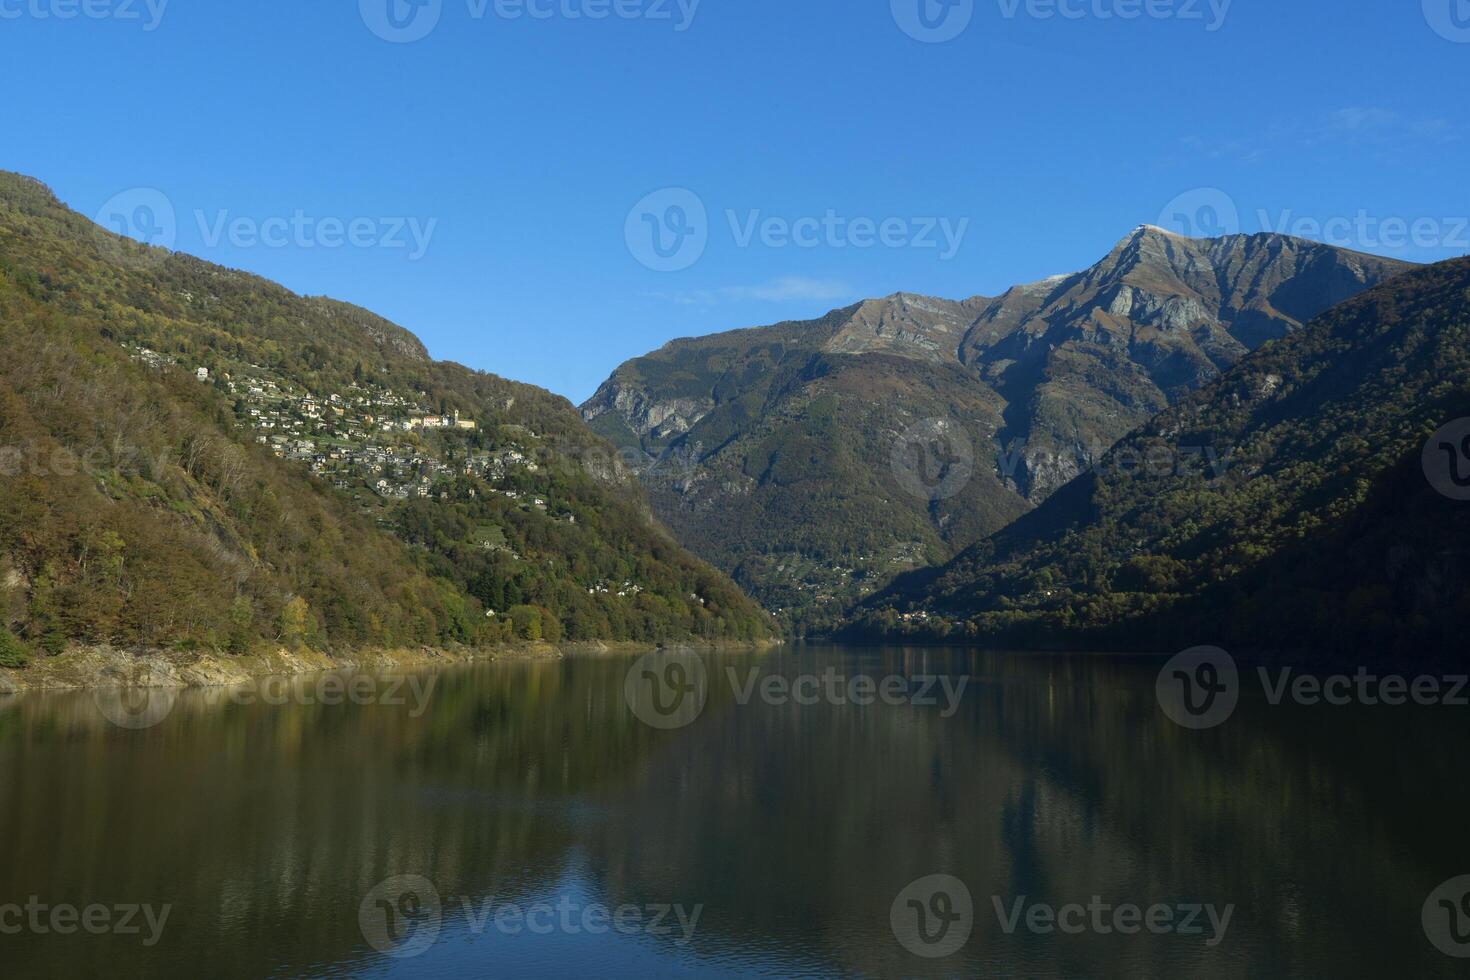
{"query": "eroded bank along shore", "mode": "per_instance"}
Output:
(82, 668)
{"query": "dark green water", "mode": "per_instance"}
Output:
(785, 833)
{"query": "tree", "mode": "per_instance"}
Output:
(527, 622)
(294, 622)
(12, 654)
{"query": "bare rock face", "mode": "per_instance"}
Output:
(644, 414)
(1046, 377)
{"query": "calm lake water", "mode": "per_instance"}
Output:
(521, 820)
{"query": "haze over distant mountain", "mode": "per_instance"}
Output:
(813, 460)
(192, 455)
(1337, 515)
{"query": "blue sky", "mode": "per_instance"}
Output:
(791, 156)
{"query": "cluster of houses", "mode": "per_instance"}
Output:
(361, 436)
(624, 591)
(345, 436)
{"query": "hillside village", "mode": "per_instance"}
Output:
(369, 436)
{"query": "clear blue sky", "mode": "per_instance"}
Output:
(529, 141)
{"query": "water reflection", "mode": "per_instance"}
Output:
(793, 827)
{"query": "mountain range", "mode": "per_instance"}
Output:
(1334, 518)
(195, 457)
(815, 460)
(1194, 440)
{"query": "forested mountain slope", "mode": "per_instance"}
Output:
(799, 457)
(1319, 528)
(196, 456)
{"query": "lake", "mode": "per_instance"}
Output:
(812, 812)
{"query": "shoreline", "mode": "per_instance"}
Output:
(104, 667)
